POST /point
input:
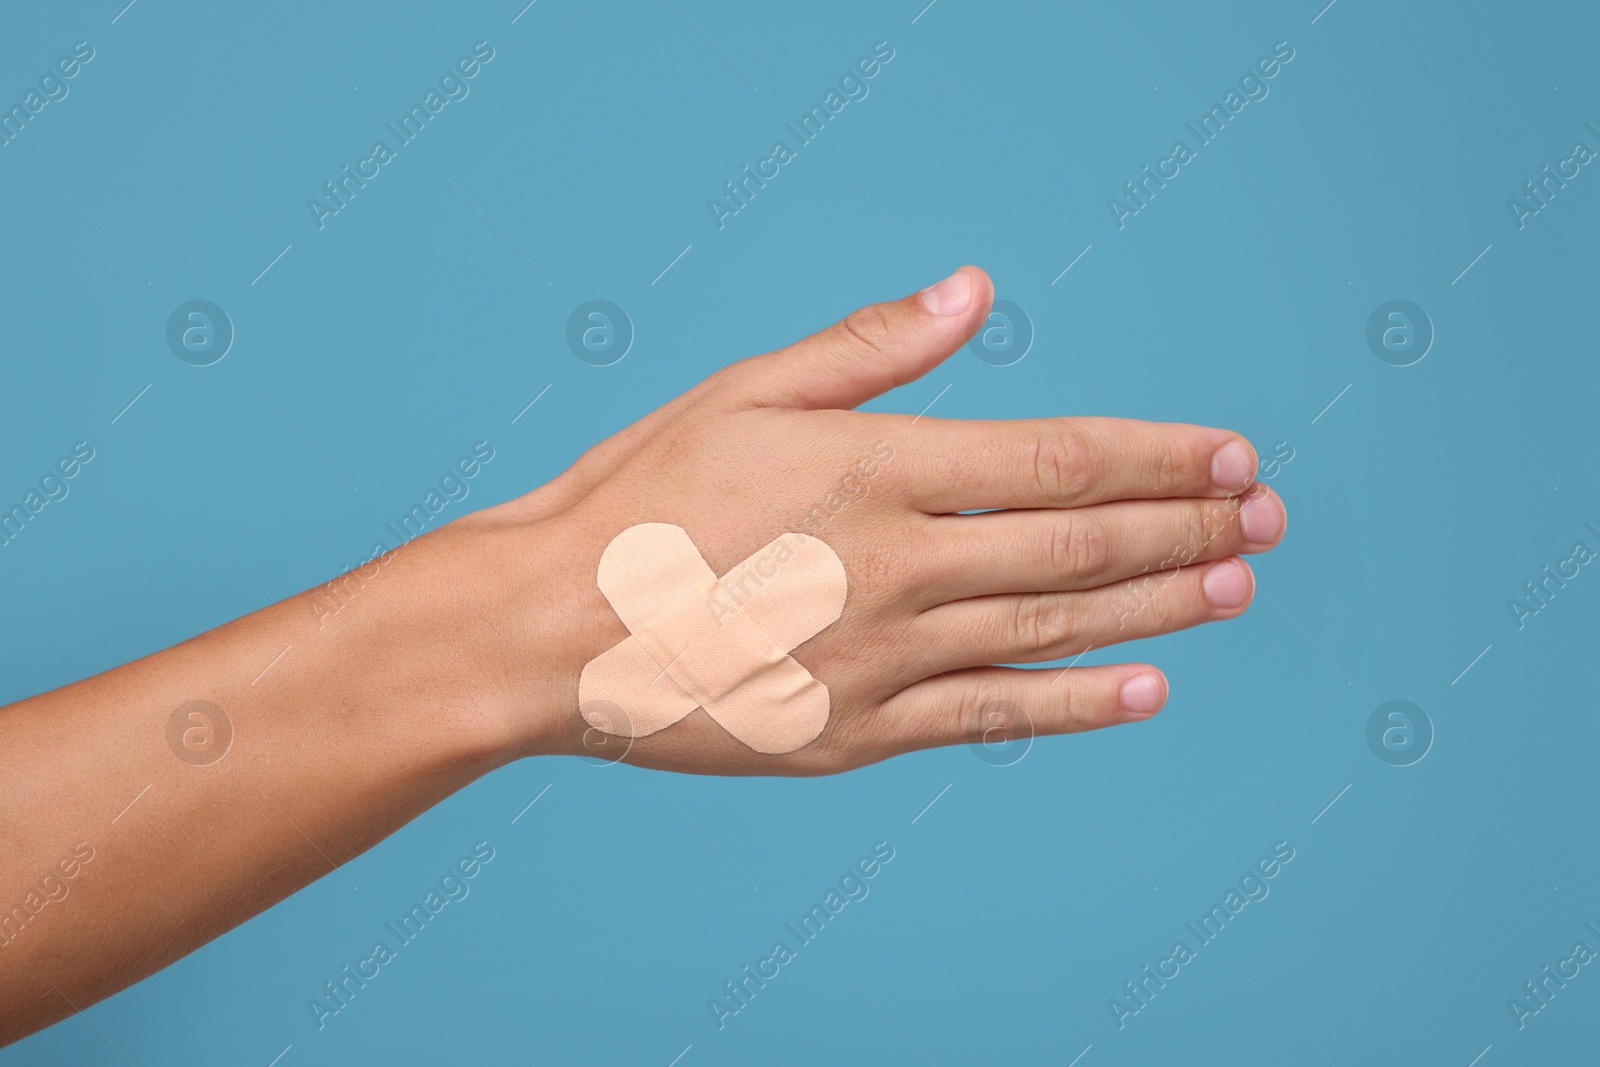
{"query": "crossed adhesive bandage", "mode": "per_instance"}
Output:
(699, 641)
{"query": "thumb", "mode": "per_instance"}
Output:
(871, 350)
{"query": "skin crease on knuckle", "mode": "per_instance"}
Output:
(973, 711)
(1172, 465)
(1040, 625)
(1080, 546)
(1064, 464)
(870, 329)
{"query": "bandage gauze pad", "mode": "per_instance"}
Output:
(723, 644)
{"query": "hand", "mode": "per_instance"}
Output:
(463, 649)
(1105, 530)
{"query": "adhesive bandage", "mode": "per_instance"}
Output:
(699, 641)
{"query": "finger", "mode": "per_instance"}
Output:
(1032, 627)
(1052, 549)
(1003, 708)
(870, 351)
(956, 465)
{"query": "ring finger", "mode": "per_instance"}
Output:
(1034, 627)
(1057, 550)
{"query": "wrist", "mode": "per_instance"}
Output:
(525, 591)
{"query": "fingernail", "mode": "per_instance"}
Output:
(1227, 584)
(1231, 466)
(1143, 694)
(949, 297)
(1261, 519)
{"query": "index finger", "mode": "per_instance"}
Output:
(962, 465)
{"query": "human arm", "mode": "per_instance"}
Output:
(464, 649)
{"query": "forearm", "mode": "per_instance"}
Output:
(351, 708)
(129, 835)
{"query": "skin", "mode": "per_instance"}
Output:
(461, 651)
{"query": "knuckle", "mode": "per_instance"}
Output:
(1218, 524)
(1063, 464)
(1194, 539)
(1171, 598)
(984, 711)
(730, 386)
(1040, 623)
(730, 376)
(867, 328)
(1080, 545)
(1171, 466)
(1148, 604)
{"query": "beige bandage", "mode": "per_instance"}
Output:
(699, 641)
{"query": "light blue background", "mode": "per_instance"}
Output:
(409, 328)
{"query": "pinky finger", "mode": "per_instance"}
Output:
(995, 705)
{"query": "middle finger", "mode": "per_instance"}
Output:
(1056, 550)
